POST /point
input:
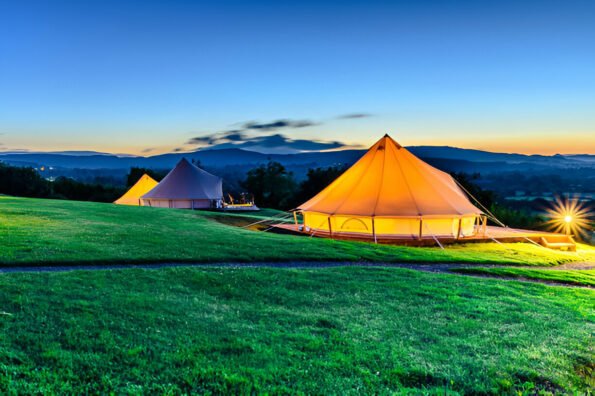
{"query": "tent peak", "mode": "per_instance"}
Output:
(387, 136)
(133, 196)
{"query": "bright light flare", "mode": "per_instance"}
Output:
(569, 216)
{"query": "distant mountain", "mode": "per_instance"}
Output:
(582, 157)
(448, 152)
(88, 161)
(81, 153)
(447, 158)
(74, 153)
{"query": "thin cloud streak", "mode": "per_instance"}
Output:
(279, 124)
(353, 116)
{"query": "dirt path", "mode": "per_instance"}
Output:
(429, 267)
(426, 267)
(571, 266)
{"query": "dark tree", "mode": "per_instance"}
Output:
(271, 185)
(136, 173)
(24, 182)
(469, 183)
(316, 180)
(501, 209)
(66, 188)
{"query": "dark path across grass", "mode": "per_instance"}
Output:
(430, 267)
(564, 276)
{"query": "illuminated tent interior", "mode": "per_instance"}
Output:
(389, 192)
(186, 187)
(133, 196)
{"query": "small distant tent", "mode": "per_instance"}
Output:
(389, 192)
(186, 187)
(133, 196)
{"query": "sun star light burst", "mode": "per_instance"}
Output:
(569, 216)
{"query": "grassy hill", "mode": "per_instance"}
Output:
(571, 277)
(210, 330)
(347, 330)
(42, 232)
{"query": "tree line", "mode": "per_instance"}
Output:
(272, 186)
(26, 182)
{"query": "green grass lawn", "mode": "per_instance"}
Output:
(344, 330)
(44, 232)
(573, 277)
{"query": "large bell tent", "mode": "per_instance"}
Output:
(389, 192)
(186, 187)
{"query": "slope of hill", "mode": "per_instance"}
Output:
(244, 330)
(146, 233)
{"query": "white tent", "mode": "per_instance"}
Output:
(186, 187)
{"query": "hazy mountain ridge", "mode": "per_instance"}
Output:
(462, 158)
(505, 174)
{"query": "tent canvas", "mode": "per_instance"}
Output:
(186, 187)
(391, 192)
(133, 196)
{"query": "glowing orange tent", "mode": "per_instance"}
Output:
(132, 197)
(389, 192)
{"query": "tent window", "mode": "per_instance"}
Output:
(354, 224)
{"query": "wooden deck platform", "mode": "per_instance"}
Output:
(493, 233)
(240, 208)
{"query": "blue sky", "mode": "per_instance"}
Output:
(149, 76)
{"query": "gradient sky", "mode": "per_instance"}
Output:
(147, 76)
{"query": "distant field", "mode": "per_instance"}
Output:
(45, 232)
(343, 330)
(572, 277)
